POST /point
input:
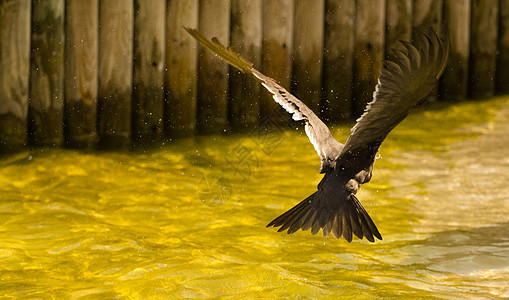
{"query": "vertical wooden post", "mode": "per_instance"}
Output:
(180, 110)
(115, 72)
(81, 71)
(14, 73)
(47, 74)
(277, 45)
(148, 78)
(399, 24)
(308, 52)
(502, 78)
(214, 20)
(246, 39)
(454, 81)
(338, 59)
(369, 51)
(483, 47)
(428, 13)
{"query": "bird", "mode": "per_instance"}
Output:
(407, 76)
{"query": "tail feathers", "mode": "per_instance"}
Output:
(347, 219)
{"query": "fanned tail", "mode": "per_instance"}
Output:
(347, 218)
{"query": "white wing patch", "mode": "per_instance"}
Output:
(319, 135)
(290, 107)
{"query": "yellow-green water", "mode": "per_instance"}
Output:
(188, 220)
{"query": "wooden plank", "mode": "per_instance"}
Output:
(308, 52)
(246, 39)
(277, 45)
(502, 76)
(45, 113)
(369, 51)
(483, 48)
(148, 76)
(398, 23)
(214, 21)
(454, 81)
(115, 72)
(338, 59)
(180, 111)
(428, 13)
(14, 73)
(81, 71)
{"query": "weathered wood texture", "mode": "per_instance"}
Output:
(148, 77)
(483, 47)
(308, 52)
(180, 110)
(14, 73)
(398, 25)
(81, 71)
(454, 83)
(368, 51)
(502, 76)
(246, 39)
(338, 59)
(277, 45)
(115, 72)
(46, 100)
(214, 20)
(428, 13)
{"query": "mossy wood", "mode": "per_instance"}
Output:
(14, 73)
(148, 76)
(81, 72)
(338, 59)
(246, 39)
(46, 104)
(115, 73)
(214, 20)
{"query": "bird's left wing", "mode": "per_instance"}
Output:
(319, 135)
(405, 80)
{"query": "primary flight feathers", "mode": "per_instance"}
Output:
(406, 78)
(319, 135)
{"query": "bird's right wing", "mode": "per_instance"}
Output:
(319, 135)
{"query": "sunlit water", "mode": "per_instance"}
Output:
(188, 220)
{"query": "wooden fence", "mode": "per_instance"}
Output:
(113, 73)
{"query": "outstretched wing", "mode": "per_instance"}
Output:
(319, 135)
(406, 79)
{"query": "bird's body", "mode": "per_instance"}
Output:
(405, 80)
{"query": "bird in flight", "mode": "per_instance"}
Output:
(407, 76)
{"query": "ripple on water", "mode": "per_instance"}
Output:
(132, 225)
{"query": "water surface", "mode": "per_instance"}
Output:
(188, 220)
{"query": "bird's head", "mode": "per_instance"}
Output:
(327, 165)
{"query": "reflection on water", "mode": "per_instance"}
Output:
(189, 220)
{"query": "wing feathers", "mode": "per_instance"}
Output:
(406, 78)
(413, 55)
(319, 135)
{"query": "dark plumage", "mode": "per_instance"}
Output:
(406, 78)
